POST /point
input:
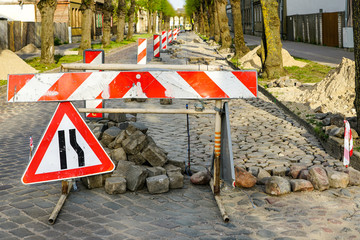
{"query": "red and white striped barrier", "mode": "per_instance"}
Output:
(157, 46)
(94, 57)
(176, 32)
(141, 57)
(163, 40)
(169, 36)
(348, 144)
(112, 84)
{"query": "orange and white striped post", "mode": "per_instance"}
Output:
(217, 147)
(176, 31)
(163, 40)
(156, 46)
(141, 55)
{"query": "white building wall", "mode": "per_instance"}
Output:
(24, 13)
(313, 6)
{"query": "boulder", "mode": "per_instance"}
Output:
(201, 178)
(115, 185)
(300, 185)
(254, 170)
(117, 155)
(337, 179)
(154, 155)
(122, 168)
(158, 184)
(354, 176)
(134, 143)
(176, 180)
(280, 171)
(109, 135)
(304, 174)
(244, 178)
(296, 169)
(155, 171)
(263, 176)
(337, 132)
(277, 186)
(91, 182)
(318, 178)
(135, 177)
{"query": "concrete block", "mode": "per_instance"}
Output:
(122, 168)
(135, 177)
(117, 117)
(154, 155)
(117, 155)
(176, 180)
(138, 159)
(115, 185)
(109, 135)
(134, 143)
(158, 184)
(155, 171)
(92, 181)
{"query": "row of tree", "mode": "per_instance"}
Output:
(123, 11)
(210, 19)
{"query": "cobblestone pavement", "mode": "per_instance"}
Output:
(261, 132)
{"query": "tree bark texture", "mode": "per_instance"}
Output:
(211, 19)
(196, 22)
(148, 21)
(240, 48)
(121, 12)
(161, 28)
(87, 8)
(201, 18)
(107, 10)
(356, 28)
(223, 24)
(206, 18)
(273, 67)
(154, 22)
(131, 20)
(47, 10)
(216, 23)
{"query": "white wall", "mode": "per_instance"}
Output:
(24, 13)
(313, 6)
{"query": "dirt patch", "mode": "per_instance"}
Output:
(252, 61)
(10, 63)
(335, 93)
(30, 48)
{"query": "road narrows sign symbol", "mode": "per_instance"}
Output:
(68, 149)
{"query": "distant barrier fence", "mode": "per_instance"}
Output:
(16, 35)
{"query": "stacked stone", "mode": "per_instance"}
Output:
(139, 161)
(297, 178)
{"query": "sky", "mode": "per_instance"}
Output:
(177, 3)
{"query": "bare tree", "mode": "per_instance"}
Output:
(47, 9)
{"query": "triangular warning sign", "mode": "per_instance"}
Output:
(68, 149)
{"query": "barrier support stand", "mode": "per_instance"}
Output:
(66, 186)
(217, 147)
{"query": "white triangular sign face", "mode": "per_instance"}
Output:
(68, 149)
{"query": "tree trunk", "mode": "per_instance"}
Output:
(47, 9)
(154, 22)
(87, 8)
(356, 27)
(107, 10)
(223, 24)
(131, 20)
(216, 23)
(206, 19)
(211, 20)
(273, 67)
(148, 14)
(160, 22)
(121, 12)
(196, 21)
(201, 19)
(240, 48)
